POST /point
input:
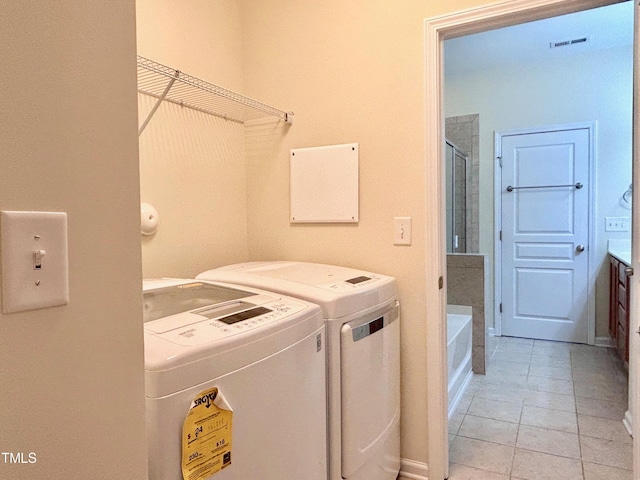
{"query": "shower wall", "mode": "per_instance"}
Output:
(467, 285)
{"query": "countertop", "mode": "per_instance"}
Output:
(621, 249)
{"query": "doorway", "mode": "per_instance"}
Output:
(437, 30)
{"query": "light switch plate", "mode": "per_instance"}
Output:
(402, 230)
(34, 260)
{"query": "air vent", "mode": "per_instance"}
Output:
(567, 43)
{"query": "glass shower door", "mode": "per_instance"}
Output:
(456, 198)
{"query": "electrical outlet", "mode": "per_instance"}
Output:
(616, 224)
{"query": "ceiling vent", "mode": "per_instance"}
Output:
(567, 43)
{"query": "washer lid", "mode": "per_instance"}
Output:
(340, 291)
(216, 329)
(183, 297)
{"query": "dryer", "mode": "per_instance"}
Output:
(361, 313)
(235, 383)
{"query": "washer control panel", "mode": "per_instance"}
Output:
(191, 313)
(216, 322)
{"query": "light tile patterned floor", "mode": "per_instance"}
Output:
(544, 410)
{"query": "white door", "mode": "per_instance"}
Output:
(545, 233)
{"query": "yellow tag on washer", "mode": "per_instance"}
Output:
(206, 436)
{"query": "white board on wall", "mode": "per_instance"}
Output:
(324, 184)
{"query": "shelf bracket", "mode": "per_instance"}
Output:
(160, 99)
(288, 117)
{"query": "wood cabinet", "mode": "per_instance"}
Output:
(619, 306)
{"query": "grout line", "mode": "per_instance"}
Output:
(573, 357)
(575, 404)
(515, 447)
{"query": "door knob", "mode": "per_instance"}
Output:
(580, 248)
(628, 271)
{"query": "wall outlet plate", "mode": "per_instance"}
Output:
(616, 224)
(35, 272)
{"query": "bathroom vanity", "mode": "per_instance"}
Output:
(619, 297)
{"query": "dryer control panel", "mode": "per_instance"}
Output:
(351, 284)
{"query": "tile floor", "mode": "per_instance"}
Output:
(544, 410)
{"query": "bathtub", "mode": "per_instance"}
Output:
(458, 356)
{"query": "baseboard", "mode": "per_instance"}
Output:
(412, 470)
(604, 342)
(628, 423)
(600, 341)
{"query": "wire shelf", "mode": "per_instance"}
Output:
(171, 85)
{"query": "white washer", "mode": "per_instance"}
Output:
(361, 312)
(265, 354)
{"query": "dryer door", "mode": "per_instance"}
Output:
(370, 393)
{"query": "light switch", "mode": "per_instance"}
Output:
(402, 230)
(34, 260)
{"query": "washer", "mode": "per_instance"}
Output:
(361, 312)
(265, 354)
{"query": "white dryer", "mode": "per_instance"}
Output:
(235, 349)
(361, 311)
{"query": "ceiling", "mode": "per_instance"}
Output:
(604, 28)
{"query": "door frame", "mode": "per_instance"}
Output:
(634, 317)
(436, 30)
(497, 216)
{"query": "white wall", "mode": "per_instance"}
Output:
(297, 56)
(351, 72)
(71, 377)
(590, 87)
(192, 165)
